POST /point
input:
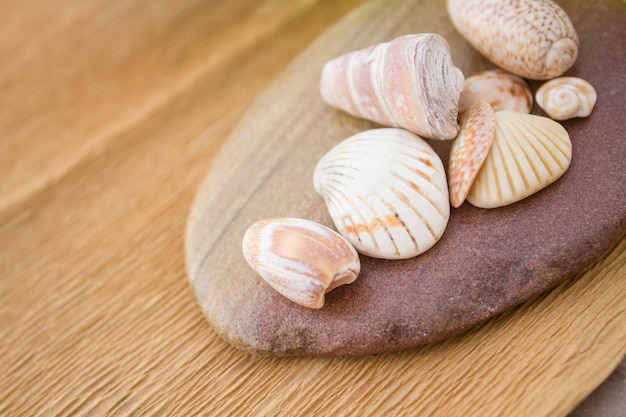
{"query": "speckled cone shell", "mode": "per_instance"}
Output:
(528, 153)
(531, 38)
(501, 89)
(386, 191)
(394, 84)
(470, 149)
(566, 97)
(300, 259)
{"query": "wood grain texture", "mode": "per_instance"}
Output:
(112, 112)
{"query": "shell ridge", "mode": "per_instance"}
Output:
(354, 211)
(528, 136)
(376, 222)
(541, 149)
(429, 187)
(421, 218)
(498, 168)
(508, 165)
(400, 218)
(548, 142)
(526, 157)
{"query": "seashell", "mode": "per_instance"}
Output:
(566, 97)
(501, 89)
(469, 150)
(531, 38)
(386, 192)
(394, 84)
(528, 153)
(300, 259)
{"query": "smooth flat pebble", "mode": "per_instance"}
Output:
(487, 262)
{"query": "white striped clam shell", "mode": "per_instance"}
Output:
(386, 191)
(501, 89)
(528, 153)
(300, 259)
(566, 97)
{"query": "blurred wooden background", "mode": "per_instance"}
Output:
(111, 112)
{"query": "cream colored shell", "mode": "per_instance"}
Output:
(386, 192)
(300, 259)
(501, 89)
(528, 153)
(531, 38)
(566, 97)
(394, 84)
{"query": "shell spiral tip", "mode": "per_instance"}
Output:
(561, 57)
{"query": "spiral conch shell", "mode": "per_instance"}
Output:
(386, 192)
(528, 153)
(566, 97)
(300, 259)
(501, 89)
(409, 82)
(531, 38)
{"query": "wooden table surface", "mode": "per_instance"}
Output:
(111, 112)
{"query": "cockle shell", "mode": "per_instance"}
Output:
(566, 97)
(531, 38)
(386, 192)
(501, 89)
(528, 153)
(300, 259)
(469, 150)
(409, 82)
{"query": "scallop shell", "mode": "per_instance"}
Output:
(566, 97)
(470, 149)
(528, 153)
(393, 84)
(300, 259)
(501, 89)
(386, 192)
(531, 38)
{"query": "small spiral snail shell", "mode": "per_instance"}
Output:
(566, 97)
(531, 38)
(395, 83)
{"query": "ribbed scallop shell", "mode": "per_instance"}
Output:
(501, 89)
(469, 150)
(531, 38)
(566, 97)
(299, 258)
(528, 153)
(394, 84)
(386, 191)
